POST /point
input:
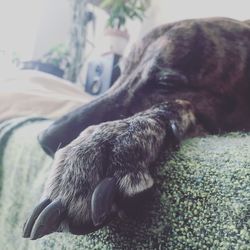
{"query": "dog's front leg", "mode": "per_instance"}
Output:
(106, 163)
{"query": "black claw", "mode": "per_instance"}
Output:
(31, 220)
(176, 133)
(102, 200)
(49, 220)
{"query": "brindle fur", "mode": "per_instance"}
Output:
(184, 79)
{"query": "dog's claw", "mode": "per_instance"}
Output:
(102, 201)
(27, 228)
(175, 132)
(48, 221)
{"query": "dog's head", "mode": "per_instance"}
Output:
(167, 64)
(144, 81)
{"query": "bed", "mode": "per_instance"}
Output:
(201, 198)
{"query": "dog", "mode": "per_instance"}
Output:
(183, 79)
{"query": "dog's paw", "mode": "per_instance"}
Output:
(106, 163)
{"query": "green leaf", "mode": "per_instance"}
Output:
(121, 10)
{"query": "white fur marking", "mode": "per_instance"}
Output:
(130, 189)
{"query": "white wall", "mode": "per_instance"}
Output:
(18, 25)
(32, 27)
(163, 11)
(53, 27)
(55, 21)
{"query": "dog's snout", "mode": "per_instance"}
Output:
(46, 146)
(61, 132)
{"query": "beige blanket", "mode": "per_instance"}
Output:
(33, 93)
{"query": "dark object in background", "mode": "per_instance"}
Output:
(102, 72)
(44, 67)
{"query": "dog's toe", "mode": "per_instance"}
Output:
(95, 177)
(103, 200)
(45, 219)
(31, 220)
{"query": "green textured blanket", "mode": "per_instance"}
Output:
(201, 197)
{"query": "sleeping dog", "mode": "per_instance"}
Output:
(183, 79)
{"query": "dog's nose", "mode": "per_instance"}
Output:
(46, 145)
(65, 129)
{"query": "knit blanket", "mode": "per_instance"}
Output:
(200, 200)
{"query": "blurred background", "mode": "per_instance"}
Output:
(83, 41)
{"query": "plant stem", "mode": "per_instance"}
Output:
(77, 39)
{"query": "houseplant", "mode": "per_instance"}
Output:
(120, 11)
(57, 58)
(55, 61)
